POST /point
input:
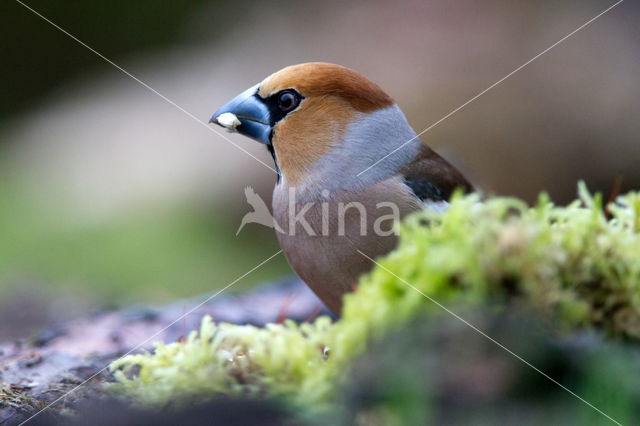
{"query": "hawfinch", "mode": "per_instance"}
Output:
(327, 127)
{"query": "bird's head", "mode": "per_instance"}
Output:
(323, 123)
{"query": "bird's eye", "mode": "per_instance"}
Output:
(288, 100)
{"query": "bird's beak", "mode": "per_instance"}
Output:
(253, 113)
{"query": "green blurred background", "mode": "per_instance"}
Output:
(109, 195)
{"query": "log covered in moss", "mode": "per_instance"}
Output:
(575, 267)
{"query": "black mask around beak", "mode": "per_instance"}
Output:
(253, 113)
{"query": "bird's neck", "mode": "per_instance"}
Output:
(374, 147)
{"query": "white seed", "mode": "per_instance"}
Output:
(228, 120)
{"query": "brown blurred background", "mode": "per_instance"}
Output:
(110, 195)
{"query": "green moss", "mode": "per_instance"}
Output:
(572, 265)
(235, 361)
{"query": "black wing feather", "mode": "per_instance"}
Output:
(425, 190)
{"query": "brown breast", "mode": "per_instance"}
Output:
(323, 250)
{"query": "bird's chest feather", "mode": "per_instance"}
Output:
(321, 236)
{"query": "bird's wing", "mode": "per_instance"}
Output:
(432, 178)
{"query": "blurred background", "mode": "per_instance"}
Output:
(109, 195)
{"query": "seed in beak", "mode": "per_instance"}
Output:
(228, 120)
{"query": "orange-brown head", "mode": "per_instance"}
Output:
(322, 122)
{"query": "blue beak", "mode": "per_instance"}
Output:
(253, 113)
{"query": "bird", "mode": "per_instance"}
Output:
(260, 213)
(343, 150)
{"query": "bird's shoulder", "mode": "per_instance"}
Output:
(432, 178)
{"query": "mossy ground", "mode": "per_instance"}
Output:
(575, 267)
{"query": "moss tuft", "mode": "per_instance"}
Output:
(572, 265)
